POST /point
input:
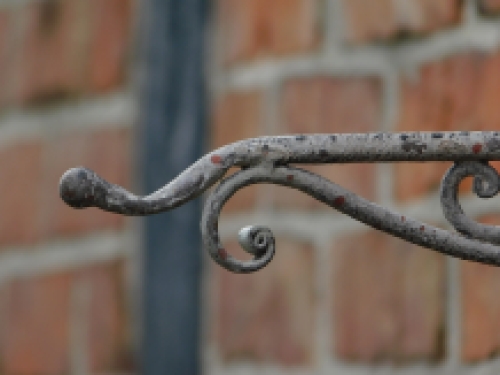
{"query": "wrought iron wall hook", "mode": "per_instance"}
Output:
(268, 159)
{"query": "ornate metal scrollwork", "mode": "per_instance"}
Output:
(269, 159)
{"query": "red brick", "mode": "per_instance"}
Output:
(238, 116)
(36, 327)
(384, 19)
(457, 93)
(106, 317)
(331, 105)
(107, 152)
(388, 299)
(20, 193)
(71, 47)
(480, 307)
(408, 187)
(326, 104)
(490, 6)
(29, 197)
(53, 55)
(6, 63)
(253, 28)
(110, 42)
(38, 313)
(268, 316)
(480, 310)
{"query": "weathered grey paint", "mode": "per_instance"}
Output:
(268, 159)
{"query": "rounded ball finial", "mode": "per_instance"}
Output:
(76, 187)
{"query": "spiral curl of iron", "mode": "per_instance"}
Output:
(486, 184)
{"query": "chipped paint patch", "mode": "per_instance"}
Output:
(413, 146)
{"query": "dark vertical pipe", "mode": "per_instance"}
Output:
(171, 130)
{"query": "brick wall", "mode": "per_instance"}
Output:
(340, 297)
(65, 100)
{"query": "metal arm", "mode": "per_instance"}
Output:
(267, 159)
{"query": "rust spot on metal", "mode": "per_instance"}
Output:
(222, 254)
(339, 201)
(477, 148)
(422, 228)
(289, 177)
(216, 159)
(403, 219)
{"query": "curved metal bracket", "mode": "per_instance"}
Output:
(268, 159)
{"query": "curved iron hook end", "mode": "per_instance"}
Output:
(81, 188)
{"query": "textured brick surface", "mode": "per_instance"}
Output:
(331, 105)
(492, 6)
(409, 187)
(237, 116)
(44, 318)
(67, 48)
(108, 153)
(36, 326)
(325, 104)
(20, 194)
(268, 316)
(388, 299)
(252, 28)
(110, 42)
(457, 93)
(6, 63)
(105, 319)
(480, 307)
(481, 311)
(52, 62)
(368, 21)
(52, 51)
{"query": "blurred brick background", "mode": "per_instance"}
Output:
(339, 297)
(65, 100)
